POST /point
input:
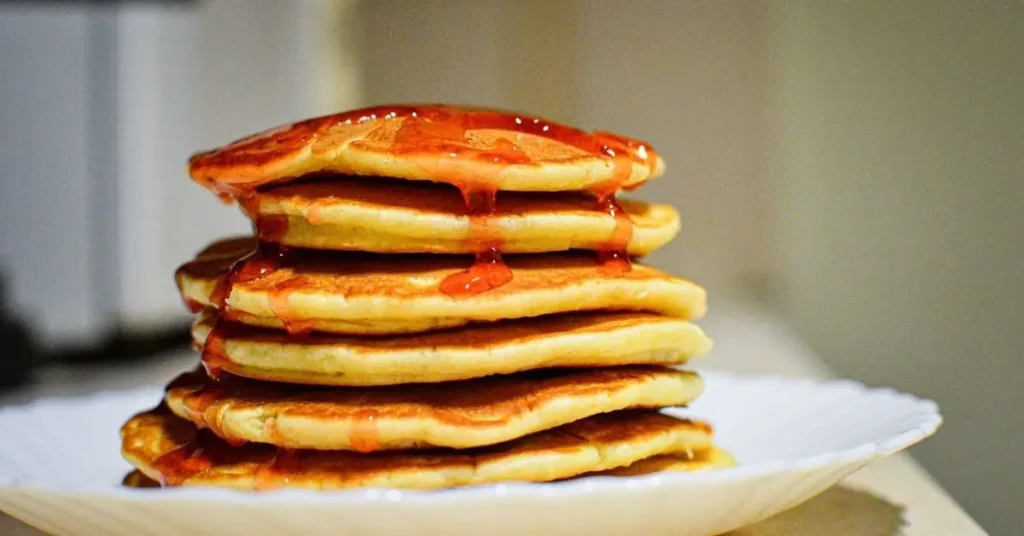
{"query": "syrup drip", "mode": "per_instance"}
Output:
(196, 405)
(613, 255)
(268, 227)
(214, 357)
(271, 227)
(279, 298)
(250, 203)
(273, 432)
(274, 473)
(184, 462)
(197, 402)
(437, 142)
(266, 259)
(435, 137)
(488, 270)
(441, 130)
(193, 305)
(314, 214)
(198, 455)
(365, 436)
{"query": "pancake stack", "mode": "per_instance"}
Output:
(434, 297)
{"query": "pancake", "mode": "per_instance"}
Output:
(592, 339)
(582, 339)
(464, 414)
(346, 213)
(702, 460)
(471, 148)
(679, 462)
(168, 449)
(358, 293)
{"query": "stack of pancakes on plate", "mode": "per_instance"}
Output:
(435, 297)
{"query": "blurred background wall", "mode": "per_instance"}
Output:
(898, 199)
(856, 166)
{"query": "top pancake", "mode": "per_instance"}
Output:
(469, 147)
(391, 216)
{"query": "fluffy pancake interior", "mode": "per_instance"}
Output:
(464, 414)
(406, 217)
(366, 294)
(597, 443)
(571, 340)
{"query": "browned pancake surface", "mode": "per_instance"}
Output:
(354, 274)
(582, 340)
(168, 449)
(343, 292)
(490, 148)
(461, 414)
(483, 337)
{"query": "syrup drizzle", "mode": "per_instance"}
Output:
(203, 451)
(279, 304)
(613, 255)
(183, 462)
(193, 305)
(365, 435)
(271, 227)
(272, 431)
(275, 472)
(436, 139)
(314, 213)
(261, 262)
(250, 203)
(426, 130)
(264, 260)
(198, 402)
(488, 270)
(214, 357)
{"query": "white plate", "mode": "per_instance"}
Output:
(60, 470)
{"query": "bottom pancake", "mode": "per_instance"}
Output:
(704, 460)
(170, 450)
(701, 460)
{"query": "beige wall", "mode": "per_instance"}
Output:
(899, 211)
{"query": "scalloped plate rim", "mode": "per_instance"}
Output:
(930, 420)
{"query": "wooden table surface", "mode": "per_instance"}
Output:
(894, 496)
